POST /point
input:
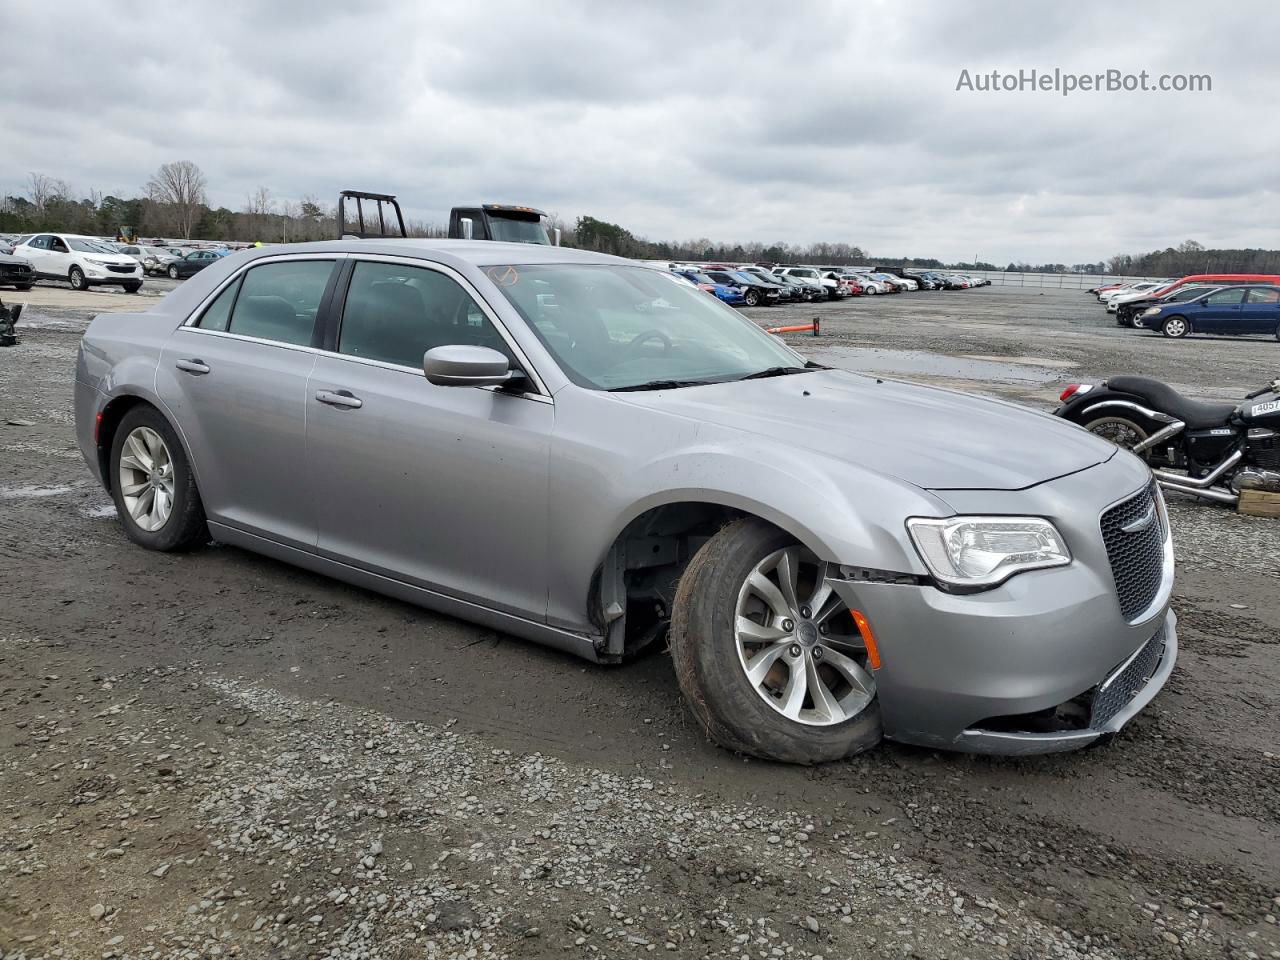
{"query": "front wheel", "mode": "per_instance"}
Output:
(173, 273)
(769, 658)
(1175, 328)
(132, 287)
(153, 485)
(752, 298)
(76, 277)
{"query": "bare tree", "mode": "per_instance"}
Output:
(180, 185)
(45, 188)
(259, 206)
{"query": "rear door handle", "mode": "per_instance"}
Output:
(339, 398)
(193, 366)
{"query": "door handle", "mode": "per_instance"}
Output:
(193, 366)
(339, 398)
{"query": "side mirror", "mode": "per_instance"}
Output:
(463, 365)
(468, 228)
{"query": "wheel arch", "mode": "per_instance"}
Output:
(109, 419)
(633, 587)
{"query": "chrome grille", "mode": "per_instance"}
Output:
(1119, 688)
(1136, 553)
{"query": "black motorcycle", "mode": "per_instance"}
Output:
(1208, 450)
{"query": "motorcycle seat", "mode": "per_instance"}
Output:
(1196, 414)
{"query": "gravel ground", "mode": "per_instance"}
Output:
(219, 755)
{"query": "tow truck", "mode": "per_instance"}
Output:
(483, 221)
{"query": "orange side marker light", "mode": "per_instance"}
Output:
(869, 638)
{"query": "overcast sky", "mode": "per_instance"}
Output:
(797, 121)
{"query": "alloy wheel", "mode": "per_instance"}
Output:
(146, 479)
(797, 643)
(1175, 327)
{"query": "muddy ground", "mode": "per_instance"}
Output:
(219, 755)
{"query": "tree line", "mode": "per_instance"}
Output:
(174, 204)
(1191, 257)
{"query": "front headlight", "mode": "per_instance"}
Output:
(1150, 311)
(976, 552)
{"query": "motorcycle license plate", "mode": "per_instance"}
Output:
(1271, 406)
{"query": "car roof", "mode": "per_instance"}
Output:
(481, 253)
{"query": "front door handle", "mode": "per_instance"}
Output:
(193, 366)
(339, 398)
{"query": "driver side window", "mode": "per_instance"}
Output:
(396, 313)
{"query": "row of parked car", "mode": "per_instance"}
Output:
(761, 284)
(93, 261)
(1223, 303)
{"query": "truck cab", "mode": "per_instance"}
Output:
(499, 221)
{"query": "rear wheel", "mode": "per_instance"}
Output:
(1121, 431)
(768, 657)
(1175, 327)
(153, 485)
(76, 276)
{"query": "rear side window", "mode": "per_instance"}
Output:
(397, 313)
(1264, 295)
(1225, 297)
(279, 301)
(217, 316)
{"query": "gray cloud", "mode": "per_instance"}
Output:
(824, 121)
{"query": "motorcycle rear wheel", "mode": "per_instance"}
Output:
(1124, 433)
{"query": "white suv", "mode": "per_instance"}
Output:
(83, 261)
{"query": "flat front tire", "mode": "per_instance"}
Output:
(768, 657)
(153, 485)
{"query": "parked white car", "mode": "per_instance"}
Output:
(153, 259)
(1135, 292)
(82, 261)
(813, 274)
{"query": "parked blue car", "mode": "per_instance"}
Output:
(1251, 309)
(732, 295)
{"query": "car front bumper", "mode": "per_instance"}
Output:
(957, 674)
(1036, 664)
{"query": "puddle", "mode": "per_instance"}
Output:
(919, 362)
(21, 493)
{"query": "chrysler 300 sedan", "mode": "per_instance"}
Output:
(592, 454)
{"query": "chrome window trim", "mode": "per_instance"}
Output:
(543, 395)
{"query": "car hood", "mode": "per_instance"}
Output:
(932, 438)
(10, 258)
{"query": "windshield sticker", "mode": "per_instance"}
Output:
(504, 276)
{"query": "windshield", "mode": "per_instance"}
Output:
(87, 246)
(516, 231)
(612, 327)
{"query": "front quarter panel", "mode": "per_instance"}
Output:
(613, 460)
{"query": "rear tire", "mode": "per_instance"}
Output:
(77, 280)
(1123, 432)
(705, 650)
(1175, 327)
(184, 527)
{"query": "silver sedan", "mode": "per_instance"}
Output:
(591, 454)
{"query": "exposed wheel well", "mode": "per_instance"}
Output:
(633, 591)
(109, 420)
